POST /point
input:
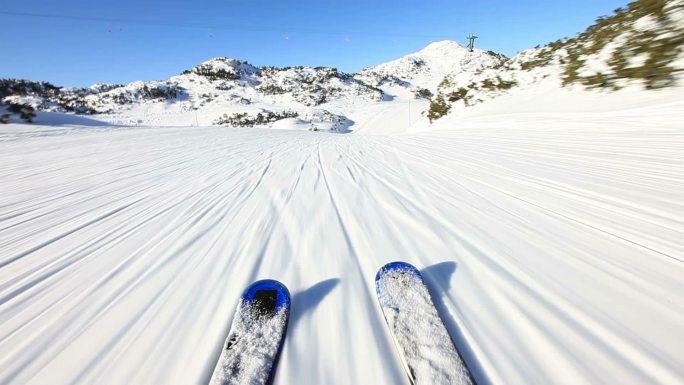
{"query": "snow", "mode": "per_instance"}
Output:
(599, 62)
(549, 221)
(229, 65)
(645, 23)
(418, 330)
(637, 60)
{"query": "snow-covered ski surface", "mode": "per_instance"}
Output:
(252, 346)
(425, 345)
(554, 240)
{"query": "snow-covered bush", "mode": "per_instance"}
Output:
(313, 86)
(642, 42)
(139, 91)
(486, 85)
(25, 112)
(27, 87)
(324, 119)
(214, 73)
(250, 119)
(422, 93)
(438, 108)
(271, 89)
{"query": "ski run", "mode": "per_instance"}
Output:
(548, 228)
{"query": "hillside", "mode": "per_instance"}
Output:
(641, 45)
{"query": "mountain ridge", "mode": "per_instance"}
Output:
(227, 89)
(640, 45)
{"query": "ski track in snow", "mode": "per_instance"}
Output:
(553, 249)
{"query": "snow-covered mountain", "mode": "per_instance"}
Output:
(230, 91)
(426, 68)
(640, 45)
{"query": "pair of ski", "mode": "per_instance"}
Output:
(256, 336)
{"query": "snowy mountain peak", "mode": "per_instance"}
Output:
(222, 61)
(442, 48)
(223, 68)
(427, 67)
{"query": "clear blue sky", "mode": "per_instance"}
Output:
(80, 42)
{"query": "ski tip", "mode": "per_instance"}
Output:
(397, 266)
(273, 289)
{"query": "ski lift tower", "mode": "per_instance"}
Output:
(471, 42)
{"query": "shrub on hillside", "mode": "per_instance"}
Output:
(459, 94)
(658, 40)
(438, 108)
(214, 74)
(25, 111)
(422, 93)
(244, 119)
(271, 89)
(23, 87)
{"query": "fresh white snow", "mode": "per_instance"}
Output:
(551, 234)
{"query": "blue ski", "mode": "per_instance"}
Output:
(251, 350)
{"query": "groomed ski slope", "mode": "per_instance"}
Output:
(552, 244)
